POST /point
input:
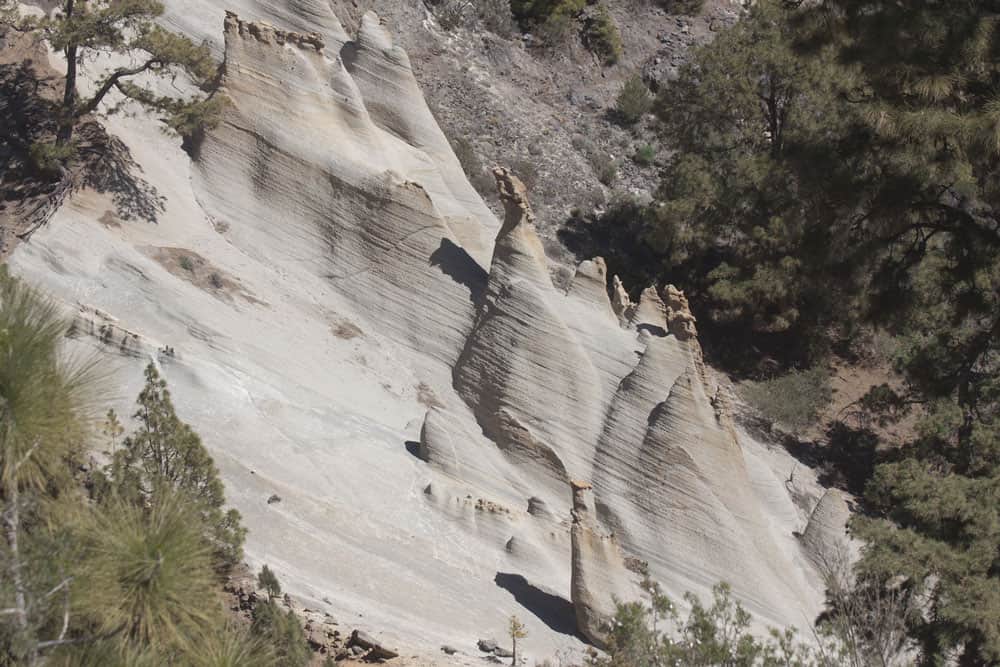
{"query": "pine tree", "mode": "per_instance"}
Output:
(43, 410)
(283, 632)
(515, 630)
(739, 223)
(850, 179)
(150, 579)
(83, 28)
(166, 453)
(269, 582)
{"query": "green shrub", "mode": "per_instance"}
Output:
(601, 36)
(283, 632)
(633, 101)
(186, 263)
(268, 580)
(645, 155)
(605, 168)
(794, 400)
(536, 12)
(717, 633)
(556, 31)
(48, 158)
(495, 15)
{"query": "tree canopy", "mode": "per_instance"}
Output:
(125, 29)
(850, 180)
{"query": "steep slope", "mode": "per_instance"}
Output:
(323, 291)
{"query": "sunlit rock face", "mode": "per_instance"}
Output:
(358, 335)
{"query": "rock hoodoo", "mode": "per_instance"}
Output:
(598, 575)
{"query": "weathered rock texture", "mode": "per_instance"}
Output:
(598, 575)
(407, 377)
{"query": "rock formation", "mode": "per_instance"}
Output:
(598, 575)
(328, 191)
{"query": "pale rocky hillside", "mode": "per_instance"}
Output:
(452, 437)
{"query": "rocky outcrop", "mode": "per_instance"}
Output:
(620, 301)
(825, 539)
(358, 215)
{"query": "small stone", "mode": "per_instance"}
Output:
(487, 645)
(450, 650)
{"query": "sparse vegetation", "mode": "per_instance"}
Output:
(793, 400)
(633, 101)
(556, 32)
(601, 35)
(717, 634)
(48, 157)
(644, 155)
(688, 7)
(525, 170)
(605, 167)
(515, 630)
(282, 631)
(267, 580)
(535, 12)
(493, 15)
(186, 263)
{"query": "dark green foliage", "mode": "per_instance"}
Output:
(535, 12)
(634, 101)
(689, 7)
(556, 32)
(282, 632)
(600, 35)
(165, 453)
(793, 400)
(836, 168)
(738, 213)
(269, 582)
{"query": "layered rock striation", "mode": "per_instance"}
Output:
(408, 378)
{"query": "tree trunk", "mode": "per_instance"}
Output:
(12, 525)
(67, 117)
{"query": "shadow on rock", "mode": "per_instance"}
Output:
(556, 612)
(112, 170)
(458, 265)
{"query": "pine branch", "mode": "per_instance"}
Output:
(114, 81)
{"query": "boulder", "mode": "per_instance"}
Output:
(374, 649)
